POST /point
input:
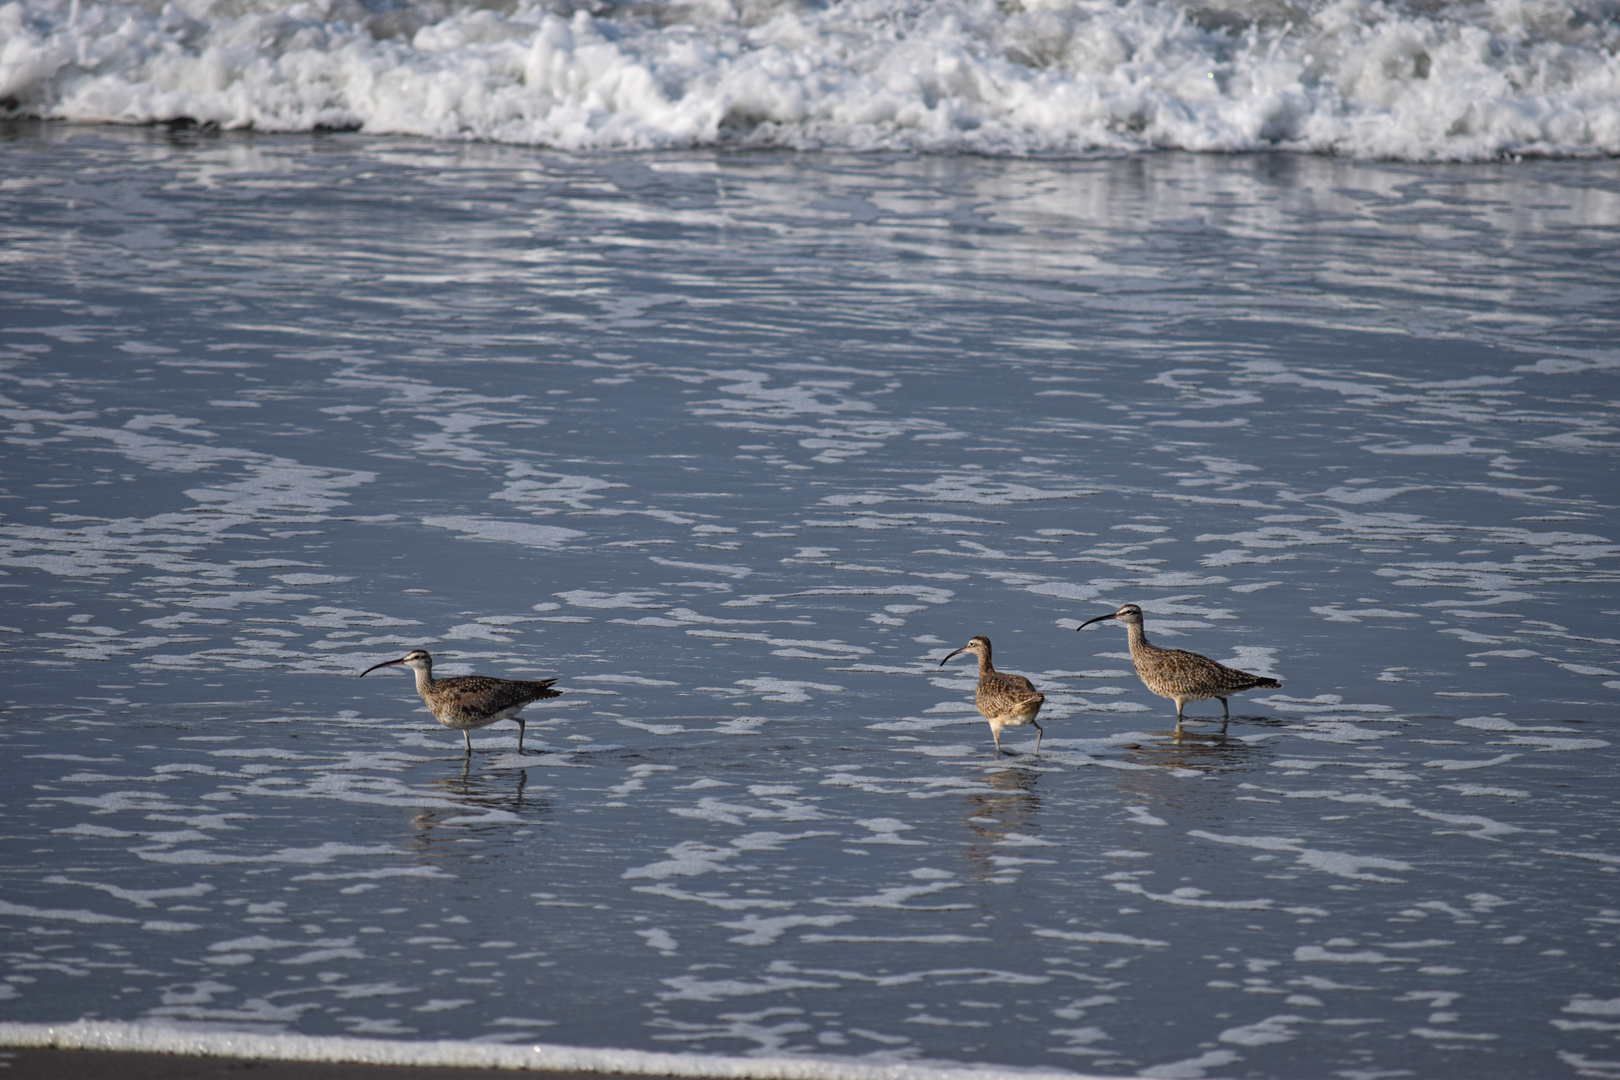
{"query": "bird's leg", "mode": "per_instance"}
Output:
(1225, 715)
(995, 735)
(1179, 704)
(522, 727)
(465, 734)
(1038, 733)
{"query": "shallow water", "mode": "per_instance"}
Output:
(738, 447)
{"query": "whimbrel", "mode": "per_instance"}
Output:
(465, 702)
(1180, 675)
(1004, 700)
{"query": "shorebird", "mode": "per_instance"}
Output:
(465, 702)
(1180, 675)
(1004, 700)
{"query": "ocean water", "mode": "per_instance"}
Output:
(737, 446)
(1405, 79)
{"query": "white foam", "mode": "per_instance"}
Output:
(632, 680)
(868, 939)
(1454, 82)
(793, 648)
(689, 858)
(927, 593)
(1316, 953)
(1101, 937)
(763, 930)
(574, 492)
(511, 532)
(76, 915)
(786, 690)
(1338, 863)
(1456, 764)
(589, 598)
(723, 569)
(1191, 897)
(535, 1057)
(1587, 1006)
(1496, 723)
(318, 855)
(141, 898)
(1547, 744)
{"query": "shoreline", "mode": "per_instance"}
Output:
(52, 1063)
(122, 1050)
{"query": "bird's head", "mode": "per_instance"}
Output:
(1129, 614)
(979, 646)
(417, 659)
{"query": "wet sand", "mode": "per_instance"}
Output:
(33, 1064)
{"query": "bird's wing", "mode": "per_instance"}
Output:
(1231, 680)
(487, 695)
(1015, 689)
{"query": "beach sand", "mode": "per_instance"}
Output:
(35, 1064)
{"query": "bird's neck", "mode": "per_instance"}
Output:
(984, 666)
(424, 680)
(1138, 637)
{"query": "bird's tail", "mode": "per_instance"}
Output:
(1263, 683)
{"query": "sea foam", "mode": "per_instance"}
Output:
(538, 1057)
(1371, 78)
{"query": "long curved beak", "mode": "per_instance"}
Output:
(1099, 618)
(963, 649)
(385, 663)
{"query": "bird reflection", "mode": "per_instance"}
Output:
(1006, 804)
(1213, 751)
(498, 792)
(1205, 752)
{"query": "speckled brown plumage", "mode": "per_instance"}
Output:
(1004, 700)
(1180, 675)
(467, 702)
